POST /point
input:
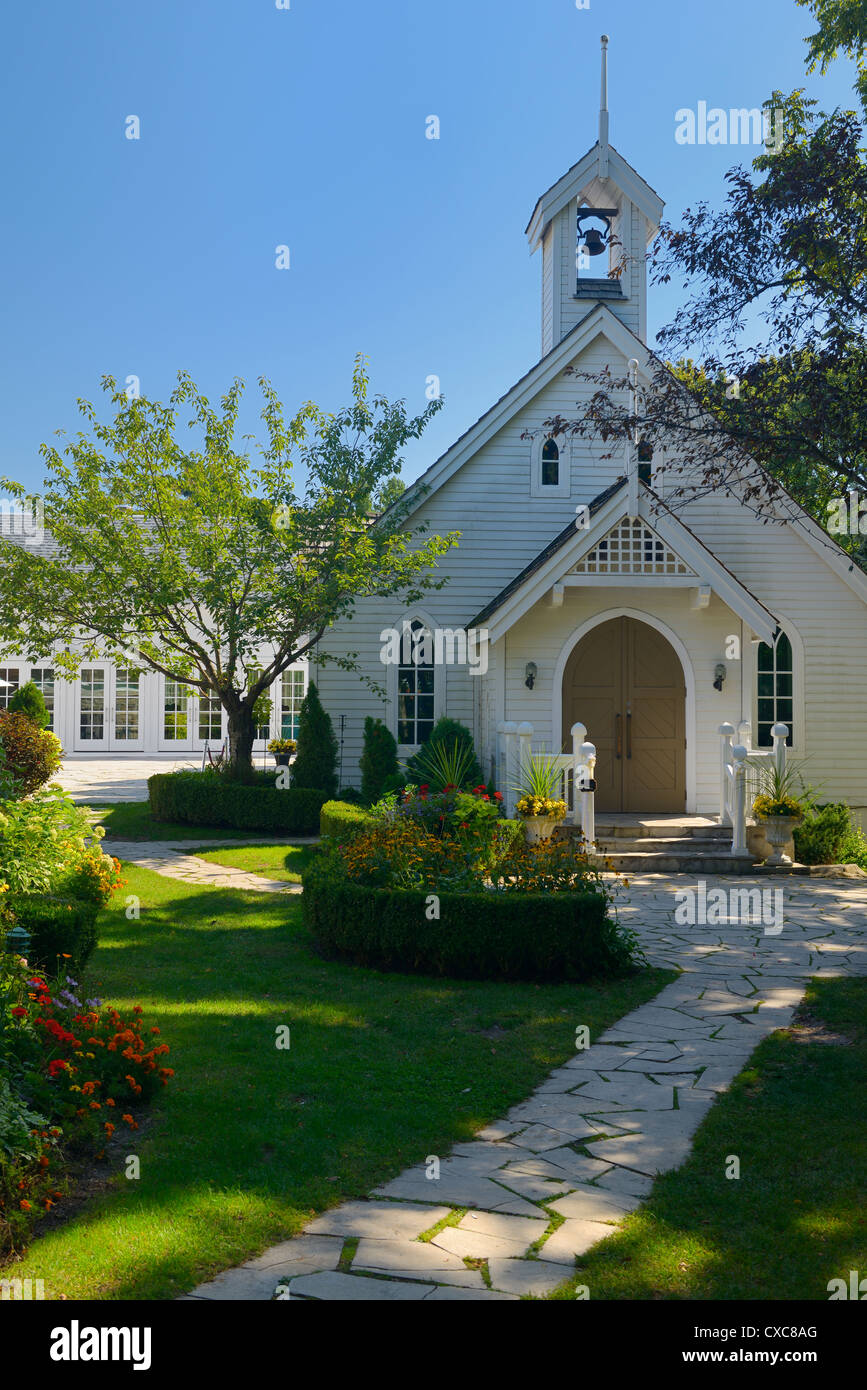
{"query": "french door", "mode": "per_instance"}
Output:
(188, 720)
(108, 715)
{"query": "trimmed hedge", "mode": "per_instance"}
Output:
(491, 936)
(822, 836)
(207, 798)
(58, 927)
(342, 818)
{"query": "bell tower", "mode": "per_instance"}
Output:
(594, 226)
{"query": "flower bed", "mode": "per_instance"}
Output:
(73, 1071)
(209, 798)
(400, 897)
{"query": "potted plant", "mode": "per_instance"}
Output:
(282, 748)
(780, 806)
(538, 806)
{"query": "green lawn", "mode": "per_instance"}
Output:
(271, 861)
(249, 1142)
(131, 820)
(797, 1216)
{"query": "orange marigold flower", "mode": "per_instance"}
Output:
(155, 1030)
(109, 1128)
(95, 1105)
(25, 1205)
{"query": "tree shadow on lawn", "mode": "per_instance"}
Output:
(250, 1140)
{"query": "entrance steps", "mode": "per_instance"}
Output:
(659, 844)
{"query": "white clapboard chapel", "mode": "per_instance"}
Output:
(650, 629)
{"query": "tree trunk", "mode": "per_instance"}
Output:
(241, 735)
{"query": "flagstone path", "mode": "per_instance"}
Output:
(172, 859)
(586, 1146)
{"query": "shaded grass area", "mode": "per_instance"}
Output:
(132, 820)
(250, 1141)
(796, 1118)
(277, 862)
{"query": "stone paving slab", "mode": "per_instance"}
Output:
(737, 986)
(170, 860)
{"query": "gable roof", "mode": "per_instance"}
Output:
(598, 321)
(575, 180)
(571, 545)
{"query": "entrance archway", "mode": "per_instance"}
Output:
(625, 683)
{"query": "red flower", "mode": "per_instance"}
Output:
(19, 1012)
(498, 796)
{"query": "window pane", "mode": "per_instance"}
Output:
(766, 684)
(766, 711)
(784, 653)
(764, 738)
(175, 711)
(10, 674)
(291, 697)
(92, 718)
(126, 704)
(43, 678)
(766, 657)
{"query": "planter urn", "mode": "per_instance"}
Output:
(282, 759)
(778, 832)
(538, 828)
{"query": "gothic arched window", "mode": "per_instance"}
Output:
(775, 679)
(415, 685)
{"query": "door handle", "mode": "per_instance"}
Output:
(619, 719)
(629, 733)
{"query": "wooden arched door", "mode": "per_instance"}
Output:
(625, 683)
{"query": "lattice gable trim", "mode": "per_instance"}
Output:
(632, 547)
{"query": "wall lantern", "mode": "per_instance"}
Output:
(530, 674)
(720, 672)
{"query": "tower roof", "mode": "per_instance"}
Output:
(603, 167)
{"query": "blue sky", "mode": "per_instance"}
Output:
(305, 127)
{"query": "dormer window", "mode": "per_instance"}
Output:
(550, 463)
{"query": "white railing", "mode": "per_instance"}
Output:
(739, 781)
(577, 769)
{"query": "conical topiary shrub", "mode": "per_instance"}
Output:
(378, 762)
(28, 700)
(315, 766)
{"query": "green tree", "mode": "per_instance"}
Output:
(28, 700)
(378, 761)
(315, 765)
(842, 28)
(186, 560)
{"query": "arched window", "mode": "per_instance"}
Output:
(550, 463)
(775, 690)
(550, 466)
(415, 685)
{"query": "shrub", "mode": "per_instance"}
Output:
(449, 732)
(208, 798)
(31, 754)
(62, 928)
(316, 761)
(43, 839)
(351, 795)
(341, 820)
(479, 935)
(28, 700)
(822, 836)
(94, 878)
(378, 762)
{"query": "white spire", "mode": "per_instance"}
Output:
(603, 113)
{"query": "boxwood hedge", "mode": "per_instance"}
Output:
(207, 798)
(58, 927)
(485, 935)
(340, 818)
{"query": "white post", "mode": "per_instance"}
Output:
(525, 747)
(745, 734)
(727, 733)
(579, 733)
(780, 733)
(507, 735)
(739, 819)
(588, 797)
